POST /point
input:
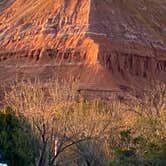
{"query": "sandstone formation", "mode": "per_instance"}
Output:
(108, 45)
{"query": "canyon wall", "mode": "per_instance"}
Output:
(105, 44)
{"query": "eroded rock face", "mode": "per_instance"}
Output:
(5, 4)
(104, 43)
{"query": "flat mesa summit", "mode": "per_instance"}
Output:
(108, 45)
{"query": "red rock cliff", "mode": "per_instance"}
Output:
(105, 43)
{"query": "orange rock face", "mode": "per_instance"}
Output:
(105, 44)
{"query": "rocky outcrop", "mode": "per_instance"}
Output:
(5, 4)
(117, 41)
(45, 55)
(134, 64)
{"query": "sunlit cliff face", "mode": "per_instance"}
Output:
(35, 23)
(31, 21)
(124, 37)
(28, 22)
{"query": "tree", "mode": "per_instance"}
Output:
(59, 123)
(152, 99)
(137, 151)
(16, 141)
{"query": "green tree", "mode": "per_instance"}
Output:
(17, 145)
(137, 151)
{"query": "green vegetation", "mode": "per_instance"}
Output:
(130, 150)
(16, 143)
(56, 128)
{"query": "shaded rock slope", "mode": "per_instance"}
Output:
(107, 45)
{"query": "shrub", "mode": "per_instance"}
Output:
(137, 151)
(16, 143)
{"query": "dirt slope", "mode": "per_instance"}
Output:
(107, 45)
